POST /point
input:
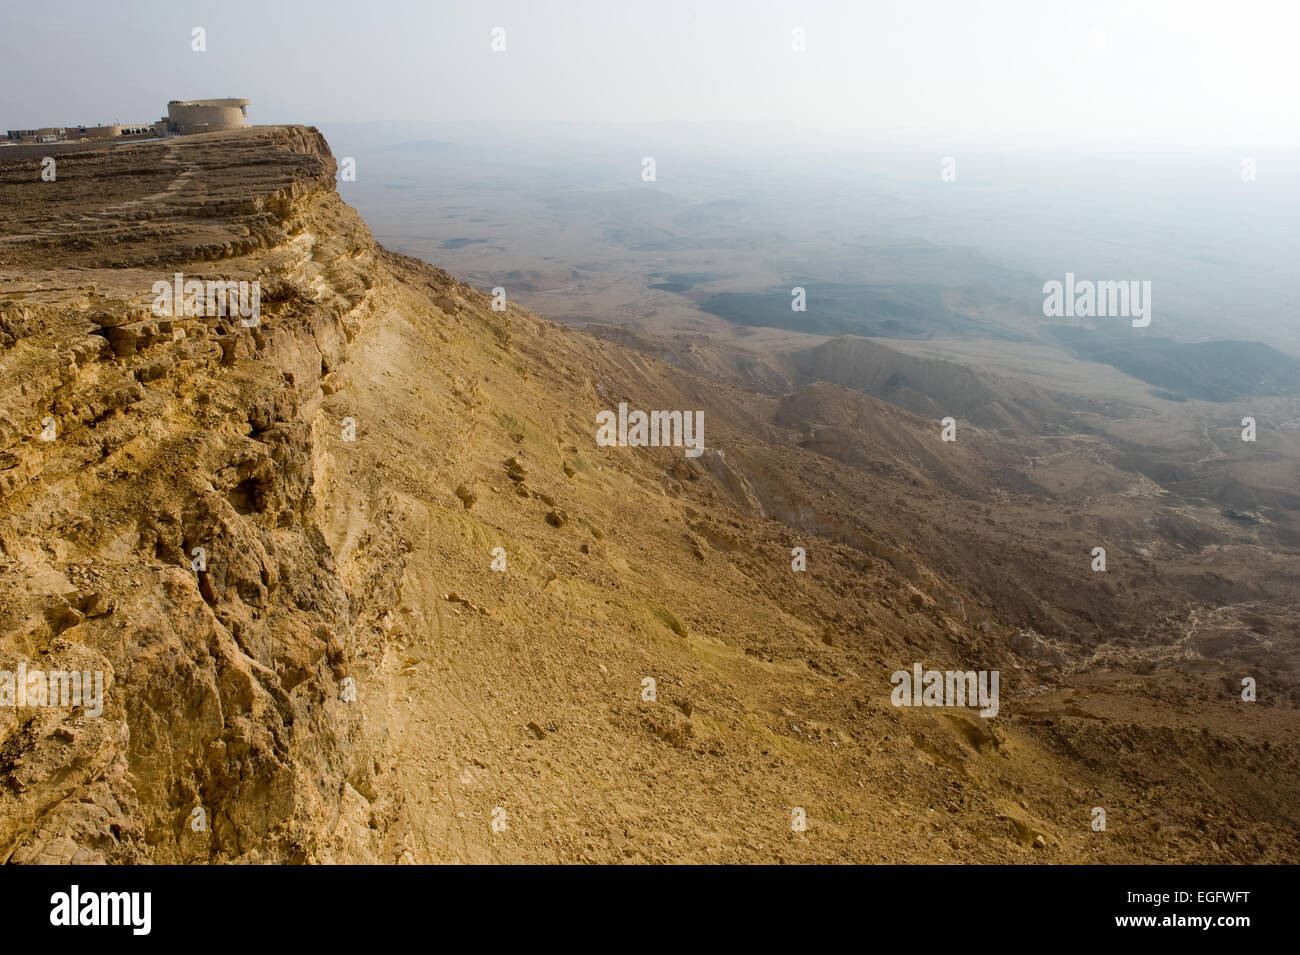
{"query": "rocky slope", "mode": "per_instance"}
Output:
(349, 678)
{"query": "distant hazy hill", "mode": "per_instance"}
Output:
(1209, 371)
(925, 386)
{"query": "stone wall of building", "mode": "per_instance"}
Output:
(206, 115)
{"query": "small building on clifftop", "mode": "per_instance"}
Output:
(185, 117)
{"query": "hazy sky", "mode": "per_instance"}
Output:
(1089, 73)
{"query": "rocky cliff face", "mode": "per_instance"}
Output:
(171, 435)
(363, 586)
